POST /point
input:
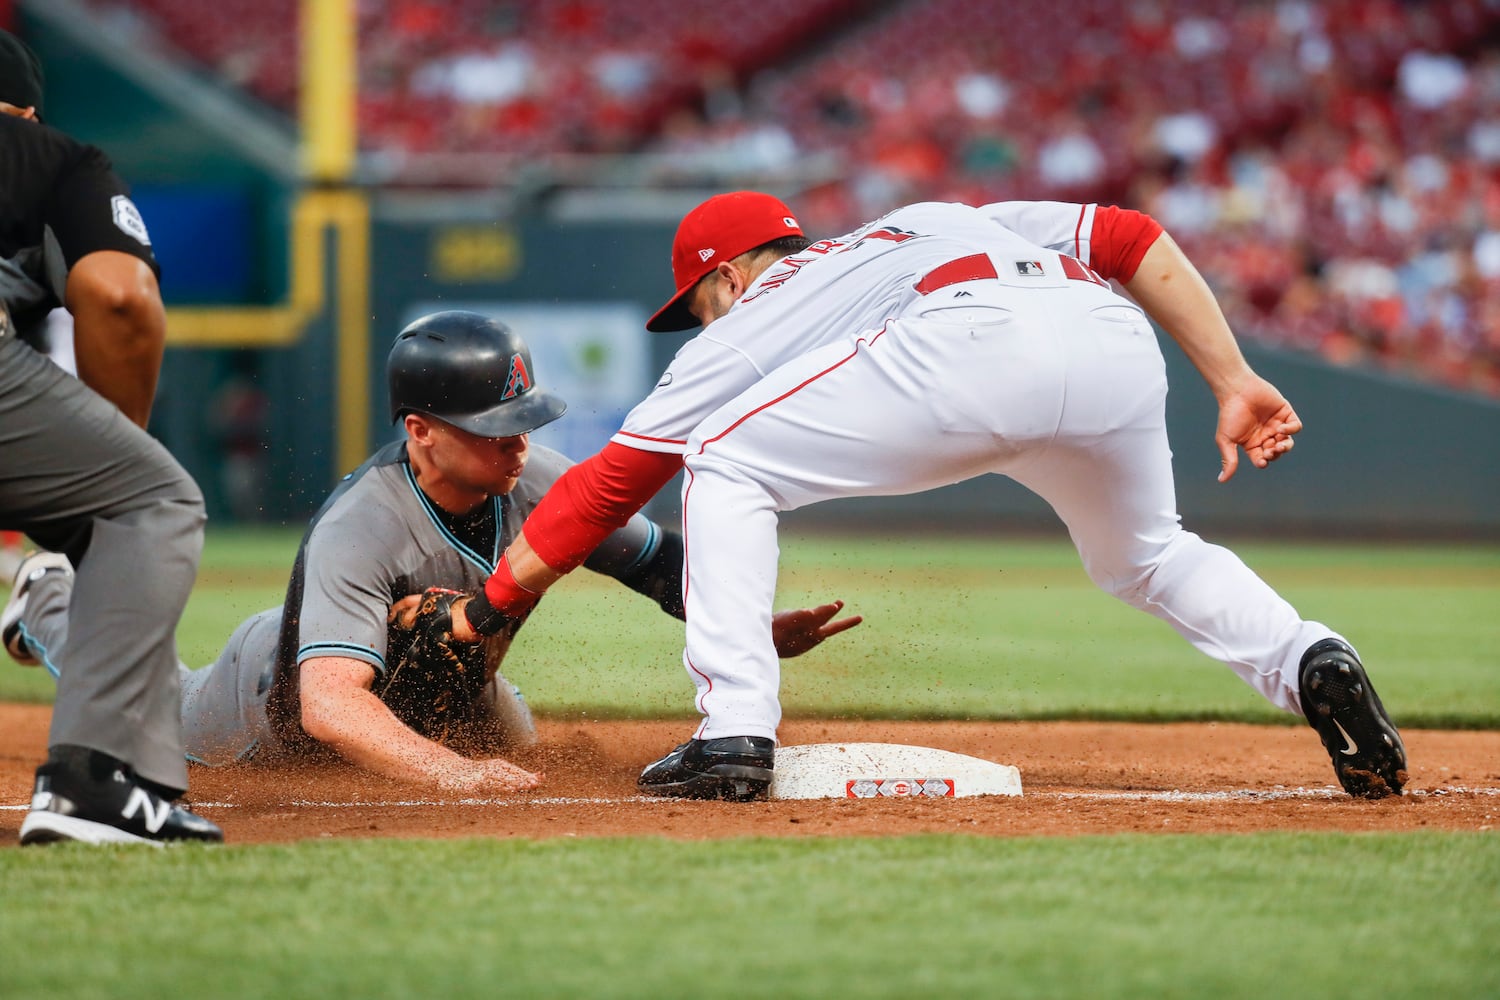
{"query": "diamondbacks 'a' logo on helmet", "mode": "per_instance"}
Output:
(519, 379)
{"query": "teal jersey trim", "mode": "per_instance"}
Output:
(349, 649)
(458, 546)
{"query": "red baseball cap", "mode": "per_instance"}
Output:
(721, 228)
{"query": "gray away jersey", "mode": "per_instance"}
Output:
(379, 538)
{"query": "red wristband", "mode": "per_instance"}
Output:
(505, 595)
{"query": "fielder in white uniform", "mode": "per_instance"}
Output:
(935, 344)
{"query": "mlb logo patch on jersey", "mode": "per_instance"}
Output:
(1030, 269)
(128, 219)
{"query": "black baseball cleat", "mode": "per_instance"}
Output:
(91, 797)
(1341, 704)
(730, 767)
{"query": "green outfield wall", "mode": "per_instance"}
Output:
(1380, 455)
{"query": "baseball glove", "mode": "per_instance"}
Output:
(432, 682)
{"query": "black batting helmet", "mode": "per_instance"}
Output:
(470, 371)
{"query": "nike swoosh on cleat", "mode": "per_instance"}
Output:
(1353, 747)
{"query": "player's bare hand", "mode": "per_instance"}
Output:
(1257, 418)
(403, 613)
(503, 776)
(496, 776)
(462, 630)
(797, 631)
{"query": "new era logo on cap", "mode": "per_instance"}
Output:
(704, 255)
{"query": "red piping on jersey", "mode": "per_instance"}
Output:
(793, 391)
(686, 491)
(976, 267)
(1078, 231)
(645, 437)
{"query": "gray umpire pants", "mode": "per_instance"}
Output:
(81, 479)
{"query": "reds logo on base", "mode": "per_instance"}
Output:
(872, 788)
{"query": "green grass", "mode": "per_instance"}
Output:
(993, 627)
(1409, 915)
(981, 627)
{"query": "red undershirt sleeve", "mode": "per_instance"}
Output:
(584, 506)
(1119, 239)
(593, 499)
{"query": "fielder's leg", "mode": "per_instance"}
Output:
(851, 419)
(1108, 475)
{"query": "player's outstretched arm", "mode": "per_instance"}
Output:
(1252, 414)
(584, 506)
(340, 710)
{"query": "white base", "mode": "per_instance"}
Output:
(886, 770)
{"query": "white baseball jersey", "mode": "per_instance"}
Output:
(939, 343)
(840, 288)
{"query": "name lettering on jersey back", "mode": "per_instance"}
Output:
(785, 271)
(888, 233)
(788, 267)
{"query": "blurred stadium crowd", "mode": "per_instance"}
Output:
(1332, 165)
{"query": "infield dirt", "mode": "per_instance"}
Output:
(1078, 778)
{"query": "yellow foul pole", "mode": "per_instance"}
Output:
(328, 113)
(328, 90)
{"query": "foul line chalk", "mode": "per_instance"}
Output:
(1232, 795)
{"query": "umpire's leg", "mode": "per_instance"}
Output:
(80, 478)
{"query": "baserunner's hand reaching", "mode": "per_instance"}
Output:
(797, 631)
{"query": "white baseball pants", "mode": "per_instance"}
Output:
(1064, 394)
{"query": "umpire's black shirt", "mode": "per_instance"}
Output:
(60, 200)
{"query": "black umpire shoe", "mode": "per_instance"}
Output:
(1341, 704)
(730, 767)
(88, 796)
